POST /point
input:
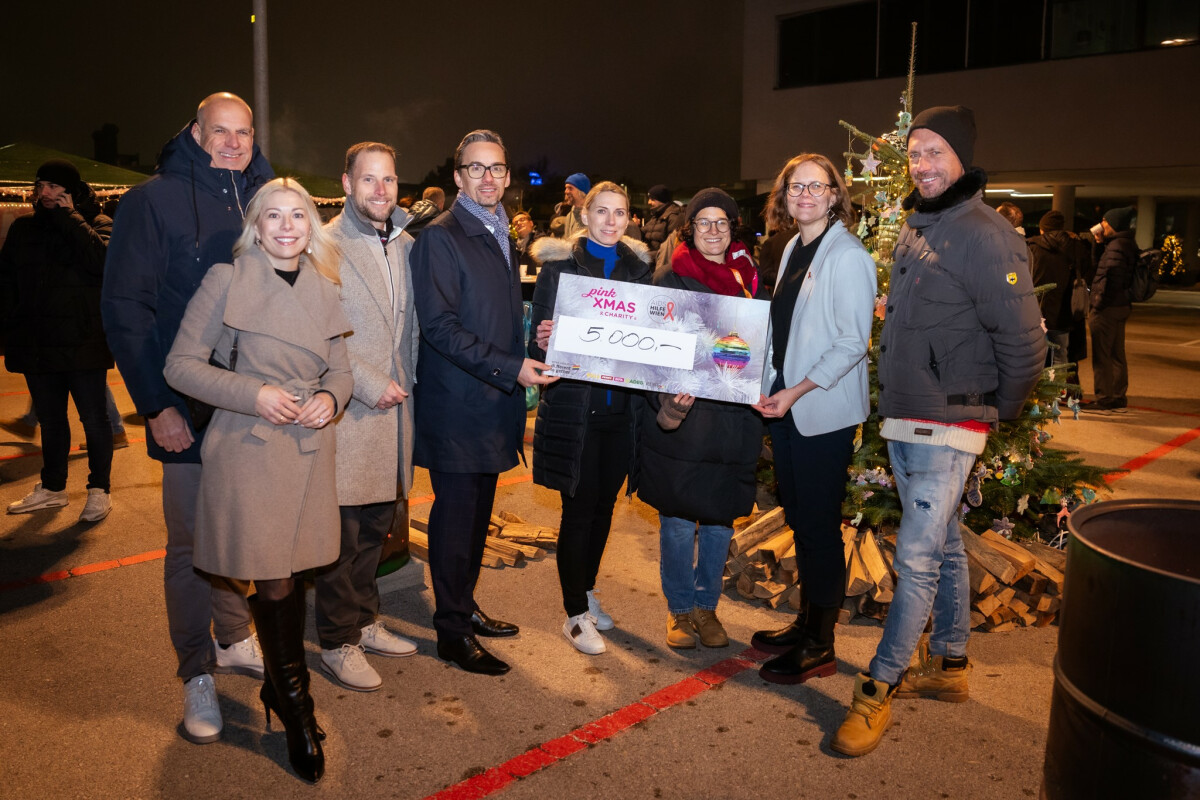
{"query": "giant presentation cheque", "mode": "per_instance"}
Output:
(656, 339)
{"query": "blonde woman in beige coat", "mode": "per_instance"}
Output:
(268, 503)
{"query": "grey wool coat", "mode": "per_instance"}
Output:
(374, 448)
(267, 507)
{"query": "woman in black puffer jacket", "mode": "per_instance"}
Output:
(697, 458)
(583, 439)
(51, 268)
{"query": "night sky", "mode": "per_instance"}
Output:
(645, 92)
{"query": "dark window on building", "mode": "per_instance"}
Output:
(941, 36)
(1004, 32)
(871, 39)
(813, 48)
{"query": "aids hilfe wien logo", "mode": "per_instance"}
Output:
(661, 309)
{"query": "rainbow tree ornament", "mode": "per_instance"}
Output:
(731, 352)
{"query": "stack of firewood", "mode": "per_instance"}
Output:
(1011, 584)
(510, 542)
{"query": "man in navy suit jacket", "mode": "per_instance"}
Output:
(469, 398)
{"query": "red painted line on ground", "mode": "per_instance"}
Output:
(38, 452)
(428, 498)
(1130, 467)
(85, 569)
(550, 753)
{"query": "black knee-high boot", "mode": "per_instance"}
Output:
(811, 658)
(280, 625)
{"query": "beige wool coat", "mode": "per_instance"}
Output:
(374, 447)
(268, 506)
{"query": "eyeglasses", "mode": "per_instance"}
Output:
(815, 189)
(476, 170)
(703, 225)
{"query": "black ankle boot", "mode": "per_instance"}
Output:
(280, 625)
(811, 658)
(782, 640)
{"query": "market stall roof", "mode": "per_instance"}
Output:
(19, 162)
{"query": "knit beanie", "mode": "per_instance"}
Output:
(580, 182)
(64, 173)
(1120, 218)
(660, 193)
(1052, 221)
(955, 124)
(713, 197)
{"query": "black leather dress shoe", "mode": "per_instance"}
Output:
(470, 656)
(483, 625)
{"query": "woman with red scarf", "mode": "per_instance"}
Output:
(697, 458)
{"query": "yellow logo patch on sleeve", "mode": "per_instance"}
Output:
(1011, 278)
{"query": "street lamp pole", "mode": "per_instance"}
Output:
(262, 103)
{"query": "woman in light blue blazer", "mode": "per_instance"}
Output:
(815, 396)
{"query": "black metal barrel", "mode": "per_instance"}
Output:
(1125, 714)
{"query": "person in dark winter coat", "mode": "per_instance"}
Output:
(583, 439)
(469, 399)
(1111, 307)
(422, 212)
(962, 346)
(697, 458)
(168, 232)
(664, 219)
(51, 268)
(1053, 258)
(821, 318)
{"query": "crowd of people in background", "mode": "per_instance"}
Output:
(292, 373)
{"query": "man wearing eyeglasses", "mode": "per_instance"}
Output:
(469, 398)
(962, 347)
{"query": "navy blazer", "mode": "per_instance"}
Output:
(470, 410)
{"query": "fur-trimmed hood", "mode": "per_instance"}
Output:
(552, 248)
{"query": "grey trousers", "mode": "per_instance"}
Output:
(195, 600)
(347, 597)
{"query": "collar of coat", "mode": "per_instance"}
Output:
(960, 191)
(259, 301)
(400, 220)
(552, 248)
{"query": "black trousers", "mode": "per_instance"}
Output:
(88, 388)
(347, 597)
(1109, 370)
(587, 515)
(811, 471)
(458, 526)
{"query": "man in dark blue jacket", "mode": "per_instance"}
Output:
(168, 232)
(469, 399)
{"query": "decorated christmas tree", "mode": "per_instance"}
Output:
(1020, 485)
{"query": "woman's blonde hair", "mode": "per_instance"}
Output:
(604, 186)
(324, 255)
(776, 211)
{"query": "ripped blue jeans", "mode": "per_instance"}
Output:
(931, 564)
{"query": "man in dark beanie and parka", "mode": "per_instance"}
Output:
(961, 348)
(1111, 307)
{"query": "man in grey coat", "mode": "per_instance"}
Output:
(375, 434)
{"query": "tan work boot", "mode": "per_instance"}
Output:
(869, 716)
(680, 633)
(929, 678)
(712, 632)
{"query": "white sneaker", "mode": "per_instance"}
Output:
(240, 658)
(600, 617)
(348, 666)
(99, 503)
(38, 499)
(201, 712)
(380, 641)
(581, 632)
